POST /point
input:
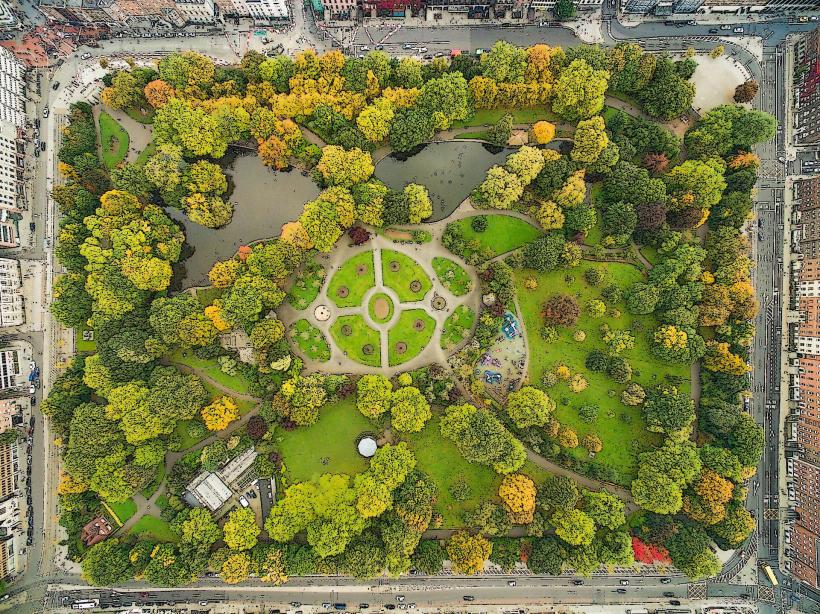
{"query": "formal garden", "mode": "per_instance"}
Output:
(544, 370)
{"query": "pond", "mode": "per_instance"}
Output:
(263, 200)
(449, 170)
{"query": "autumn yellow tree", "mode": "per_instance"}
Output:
(293, 233)
(719, 358)
(219, 414)
(711, 494)
(567, 437)
(236, 568)
(157, 93)
(517, 492)
(543, 132)
(224, 273)
(216, 314)
(550, 216)
(592, 443)
(273, 152)
(671, 337)
(467, 553)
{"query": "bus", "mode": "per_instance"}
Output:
(85, 604)
(769, 573)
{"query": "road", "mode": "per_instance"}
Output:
(766, 367)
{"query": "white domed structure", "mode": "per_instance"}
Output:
(367, 447)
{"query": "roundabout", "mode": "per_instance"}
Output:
(382, 305)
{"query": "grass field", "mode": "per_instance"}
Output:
(504, 233)
(381, 318)
(408, 271)
(620, 427)
(185, 439)
(144, 115)
(452, 276)
(403, 331)
(146, 153)
(114, 140)
(310, 340)
(243, 405)
(83, 346)
(488, 117)
(151, 527)
(123, 510)
(333, 437)
(456, 325)
(210, 367)
(206, 296)
(361, 335)
(349, 277)
(306, 285)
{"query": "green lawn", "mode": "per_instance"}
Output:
(620, 427)
(123, 510)
(210, 367)
(83, 346)
(488, 117)
(146, 153)
(151, 527)
(310, 340)
(114, 140)
(504, 233)
(206, 296)
(144, 115)
(381, 318)
(440, 459)
(357, 276)
(404, 331)
(593, 236)
(243, 405)
(452, 276)
(360, 336)
(185, 439)
(456, 326)
(650, 253)
(401, 280)
(306, 285)
(333, 437)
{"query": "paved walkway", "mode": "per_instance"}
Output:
(423, 255)
(139, 134)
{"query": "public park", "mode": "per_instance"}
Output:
(371, 316)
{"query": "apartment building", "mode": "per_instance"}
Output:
(118, 15)
(806, 97)
(197, 12)
(11, 369)
(12, 312)
(580, 5)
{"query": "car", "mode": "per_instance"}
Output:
(295, 604)
(439, 54)
(32, 389)
(726, 26)
(511, 583)
(411, 606)
(468, 598)
(407, 46)
(399, 597)
(379, 47)
(674, 602)
(45, 112)
(364, 48)
(42, 146)
(402, 606)
(36, 122)
(680, 24)
(421, 49)
(33, 401)
(668, 594)
(340, 606)
(738, 30)
(85, 56)
(389, 606)
(611, 2)
(201, 602)
(32, 365)
(243, 502)
(578, 582)
(623, 582)
(327, 605)
(55, 86)
(713, 30)
(364, 606)
(621, 591)
(667, 580)
(429, 56)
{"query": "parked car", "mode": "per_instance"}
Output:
(45, 112)
(669, 594)
(738, 30)
(623, 582)
(511, 582)
(85, 56)
(578, 582)
(621, 591)
(713, 30)
(468, 598)
(32, 389)
(674, 602)
(55, 86)
(726, 26)
(666, 580)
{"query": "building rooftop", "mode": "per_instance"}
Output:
(210, 490)
(96, 531)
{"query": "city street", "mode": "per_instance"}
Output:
(764, 491)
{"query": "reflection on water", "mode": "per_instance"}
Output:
(448, 170)
(263, 200)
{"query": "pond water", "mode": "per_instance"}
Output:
(263, 200)
(449, 170)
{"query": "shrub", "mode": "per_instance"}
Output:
(562, 310)
(594, 276)
(597, 361)
(579, 335)
(589, 412)
(479, 223)
(549, 333)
